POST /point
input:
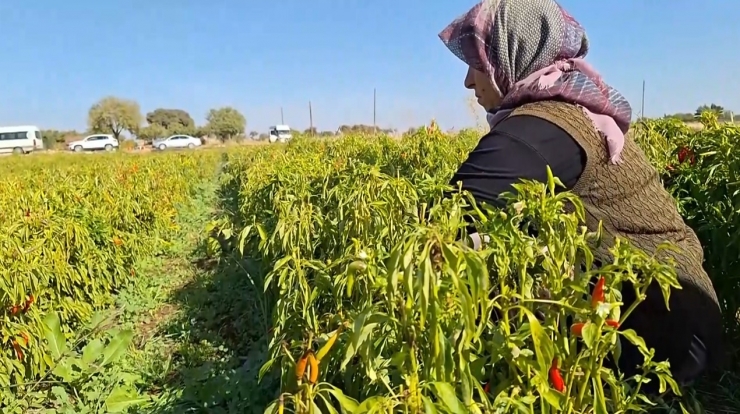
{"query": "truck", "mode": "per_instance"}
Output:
(279, 133)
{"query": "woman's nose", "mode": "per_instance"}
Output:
(469, 79)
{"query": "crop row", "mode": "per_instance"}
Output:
(375, 302)
(71, 231)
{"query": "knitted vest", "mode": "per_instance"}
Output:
(628, 199)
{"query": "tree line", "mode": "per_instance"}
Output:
(118, 117)
(115, 116)
(723, 114)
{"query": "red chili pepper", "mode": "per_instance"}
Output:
(487, 388)
(682, 154)
(577, 328)
(25, 338)
(14, 310)
(555, 378)
(18, 350)
(29, 302)
(597, 296)
(686, 154)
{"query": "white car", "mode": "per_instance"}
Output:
(95, 142)
(176, 141)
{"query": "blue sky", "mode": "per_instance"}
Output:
(257, 55)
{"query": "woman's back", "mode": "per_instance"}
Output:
(548, 107)
(631, 203)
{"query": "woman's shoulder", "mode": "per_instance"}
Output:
(556, 112)
(527, 125)
(553, 144)
(538, 125)
(568, 117)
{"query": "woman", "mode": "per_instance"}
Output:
(547, 106)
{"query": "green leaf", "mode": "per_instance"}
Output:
(272, 408)
(479, 272)
(117, 346)
(226, 233)
(97, 320)
(56, 342)
(446, 395)
(360, 333)
(590, 334)
(617, 351)
(392, 265)
(543, 346)
(370, 405)
(635, 339)
(347, 404)
(92, 351)
(60, 393)
(327, 405)
(451, 257)
(261, 231)
(550, 181)
(64, 371)
(429, 407)
(551, 396)
(121, 398)
(243, 235)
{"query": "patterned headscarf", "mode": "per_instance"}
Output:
(533, 50)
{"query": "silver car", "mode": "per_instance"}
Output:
(176, 141)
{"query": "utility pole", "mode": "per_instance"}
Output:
(282, 119)
(375, 124)
(642, 109)
(310, 118)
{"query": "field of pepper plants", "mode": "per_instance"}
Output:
(370, 303)
(72, 231)
(334, 276)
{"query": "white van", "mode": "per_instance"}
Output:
(279, 133)
(20, 139)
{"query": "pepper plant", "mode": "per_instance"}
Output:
(360, 249)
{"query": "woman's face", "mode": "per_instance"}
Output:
(488, 95)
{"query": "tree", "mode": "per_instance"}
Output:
(52, 136)
(200, 132)
(225, 123)
(151, 132)
(714, 108)
(253, 134)
(685, 117)
(175, 121)
(114, 115)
